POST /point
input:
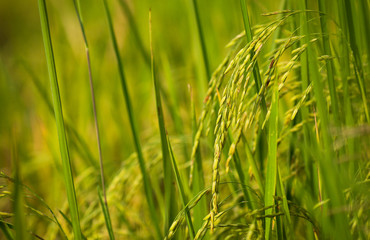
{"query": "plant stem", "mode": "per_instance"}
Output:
(108, 220)
(135, 135)
(170, 207)
(201, 39)
(63, 145)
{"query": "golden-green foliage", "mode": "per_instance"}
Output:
(279, 150)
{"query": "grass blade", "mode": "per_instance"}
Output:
(331, 179)
(253, 164)
(133, 26)
(305, 83)
(69, 222)
(173, 101)
(288, 222)
(271, 171)
(67, 169)
(356, 53)
(104, 206)
(104, 201)
(168, 156)
(258, 83)
(201, 39)
(345, 72)
(329, 63)
(182, 192)
(328, 169)
(145, 175)
(249, 35)
(243, 180)
(170, 207)
(200, 210)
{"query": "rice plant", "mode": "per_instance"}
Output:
(185, 120)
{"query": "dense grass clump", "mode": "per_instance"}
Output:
(136, 122)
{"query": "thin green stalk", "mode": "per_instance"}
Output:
(131, 21)
(63, 145)
(253, 164)
(173, 102)
(201, 39)
(357, 56)
(200, 210)
(247, 25)
(365, 6)
(172, 106)
(173, 93)
(271, 171)
(69, 222)
(258, 83)
(97, 132)
(167, 153)
(135, 135)
(328, 168)
(279, 225)
(104, 206)
(329, 63)
(345, 72)
(243, 180)
(304, 84)
(182, 192)
(249, 35)
(277, 34)
(281, 190)
(233, 184)
(170, 207)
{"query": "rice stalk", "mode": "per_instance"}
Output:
(66, 163)
(169, 191)
(105, 207)
(134, 29)
(272, 168)
(329, 64)
(182, 193)
(197, 173)
(328, 169)
(358, 62)
(145, 176)
(201, 39)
